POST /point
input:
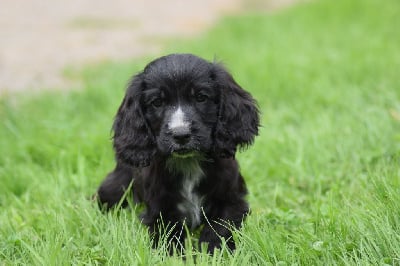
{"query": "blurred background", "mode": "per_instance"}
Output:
(40, 39)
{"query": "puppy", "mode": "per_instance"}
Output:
(175, 138)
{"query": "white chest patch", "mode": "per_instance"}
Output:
(192, 201)
(178, 120)
(191, 204)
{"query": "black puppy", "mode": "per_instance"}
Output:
(175, 136)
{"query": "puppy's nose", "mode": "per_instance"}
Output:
(181, 136)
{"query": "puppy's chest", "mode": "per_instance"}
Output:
(191, 201)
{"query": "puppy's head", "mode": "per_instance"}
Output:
(183, 106)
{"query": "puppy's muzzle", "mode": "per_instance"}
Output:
(182, 139)
(180, 130)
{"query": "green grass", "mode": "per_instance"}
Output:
(323, 176)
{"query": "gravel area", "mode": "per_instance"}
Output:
(39, 38)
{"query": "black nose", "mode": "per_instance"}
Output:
(181, 136)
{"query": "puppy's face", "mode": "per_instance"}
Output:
(181, 111)
(181, 105)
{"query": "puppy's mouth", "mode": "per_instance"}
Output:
(184, 153)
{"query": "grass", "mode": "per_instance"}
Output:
(324, 174)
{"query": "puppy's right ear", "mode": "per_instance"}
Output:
(134, 143)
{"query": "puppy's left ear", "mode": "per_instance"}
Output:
(238, 115)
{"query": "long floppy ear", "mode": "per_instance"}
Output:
(133, 141)
(238, 116)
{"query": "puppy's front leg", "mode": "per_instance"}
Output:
(172, 234)
(164, 227)
(220, 226)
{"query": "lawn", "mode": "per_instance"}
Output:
(323, 176)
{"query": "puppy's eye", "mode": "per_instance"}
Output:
(200, 97)
(158, 102)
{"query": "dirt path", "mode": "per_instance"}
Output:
(39, 38)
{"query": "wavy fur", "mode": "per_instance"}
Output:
(184, 171)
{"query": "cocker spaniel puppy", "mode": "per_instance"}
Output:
(175, 138)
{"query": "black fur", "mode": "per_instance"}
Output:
(175, 136)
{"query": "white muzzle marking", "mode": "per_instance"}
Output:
(178, 120)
